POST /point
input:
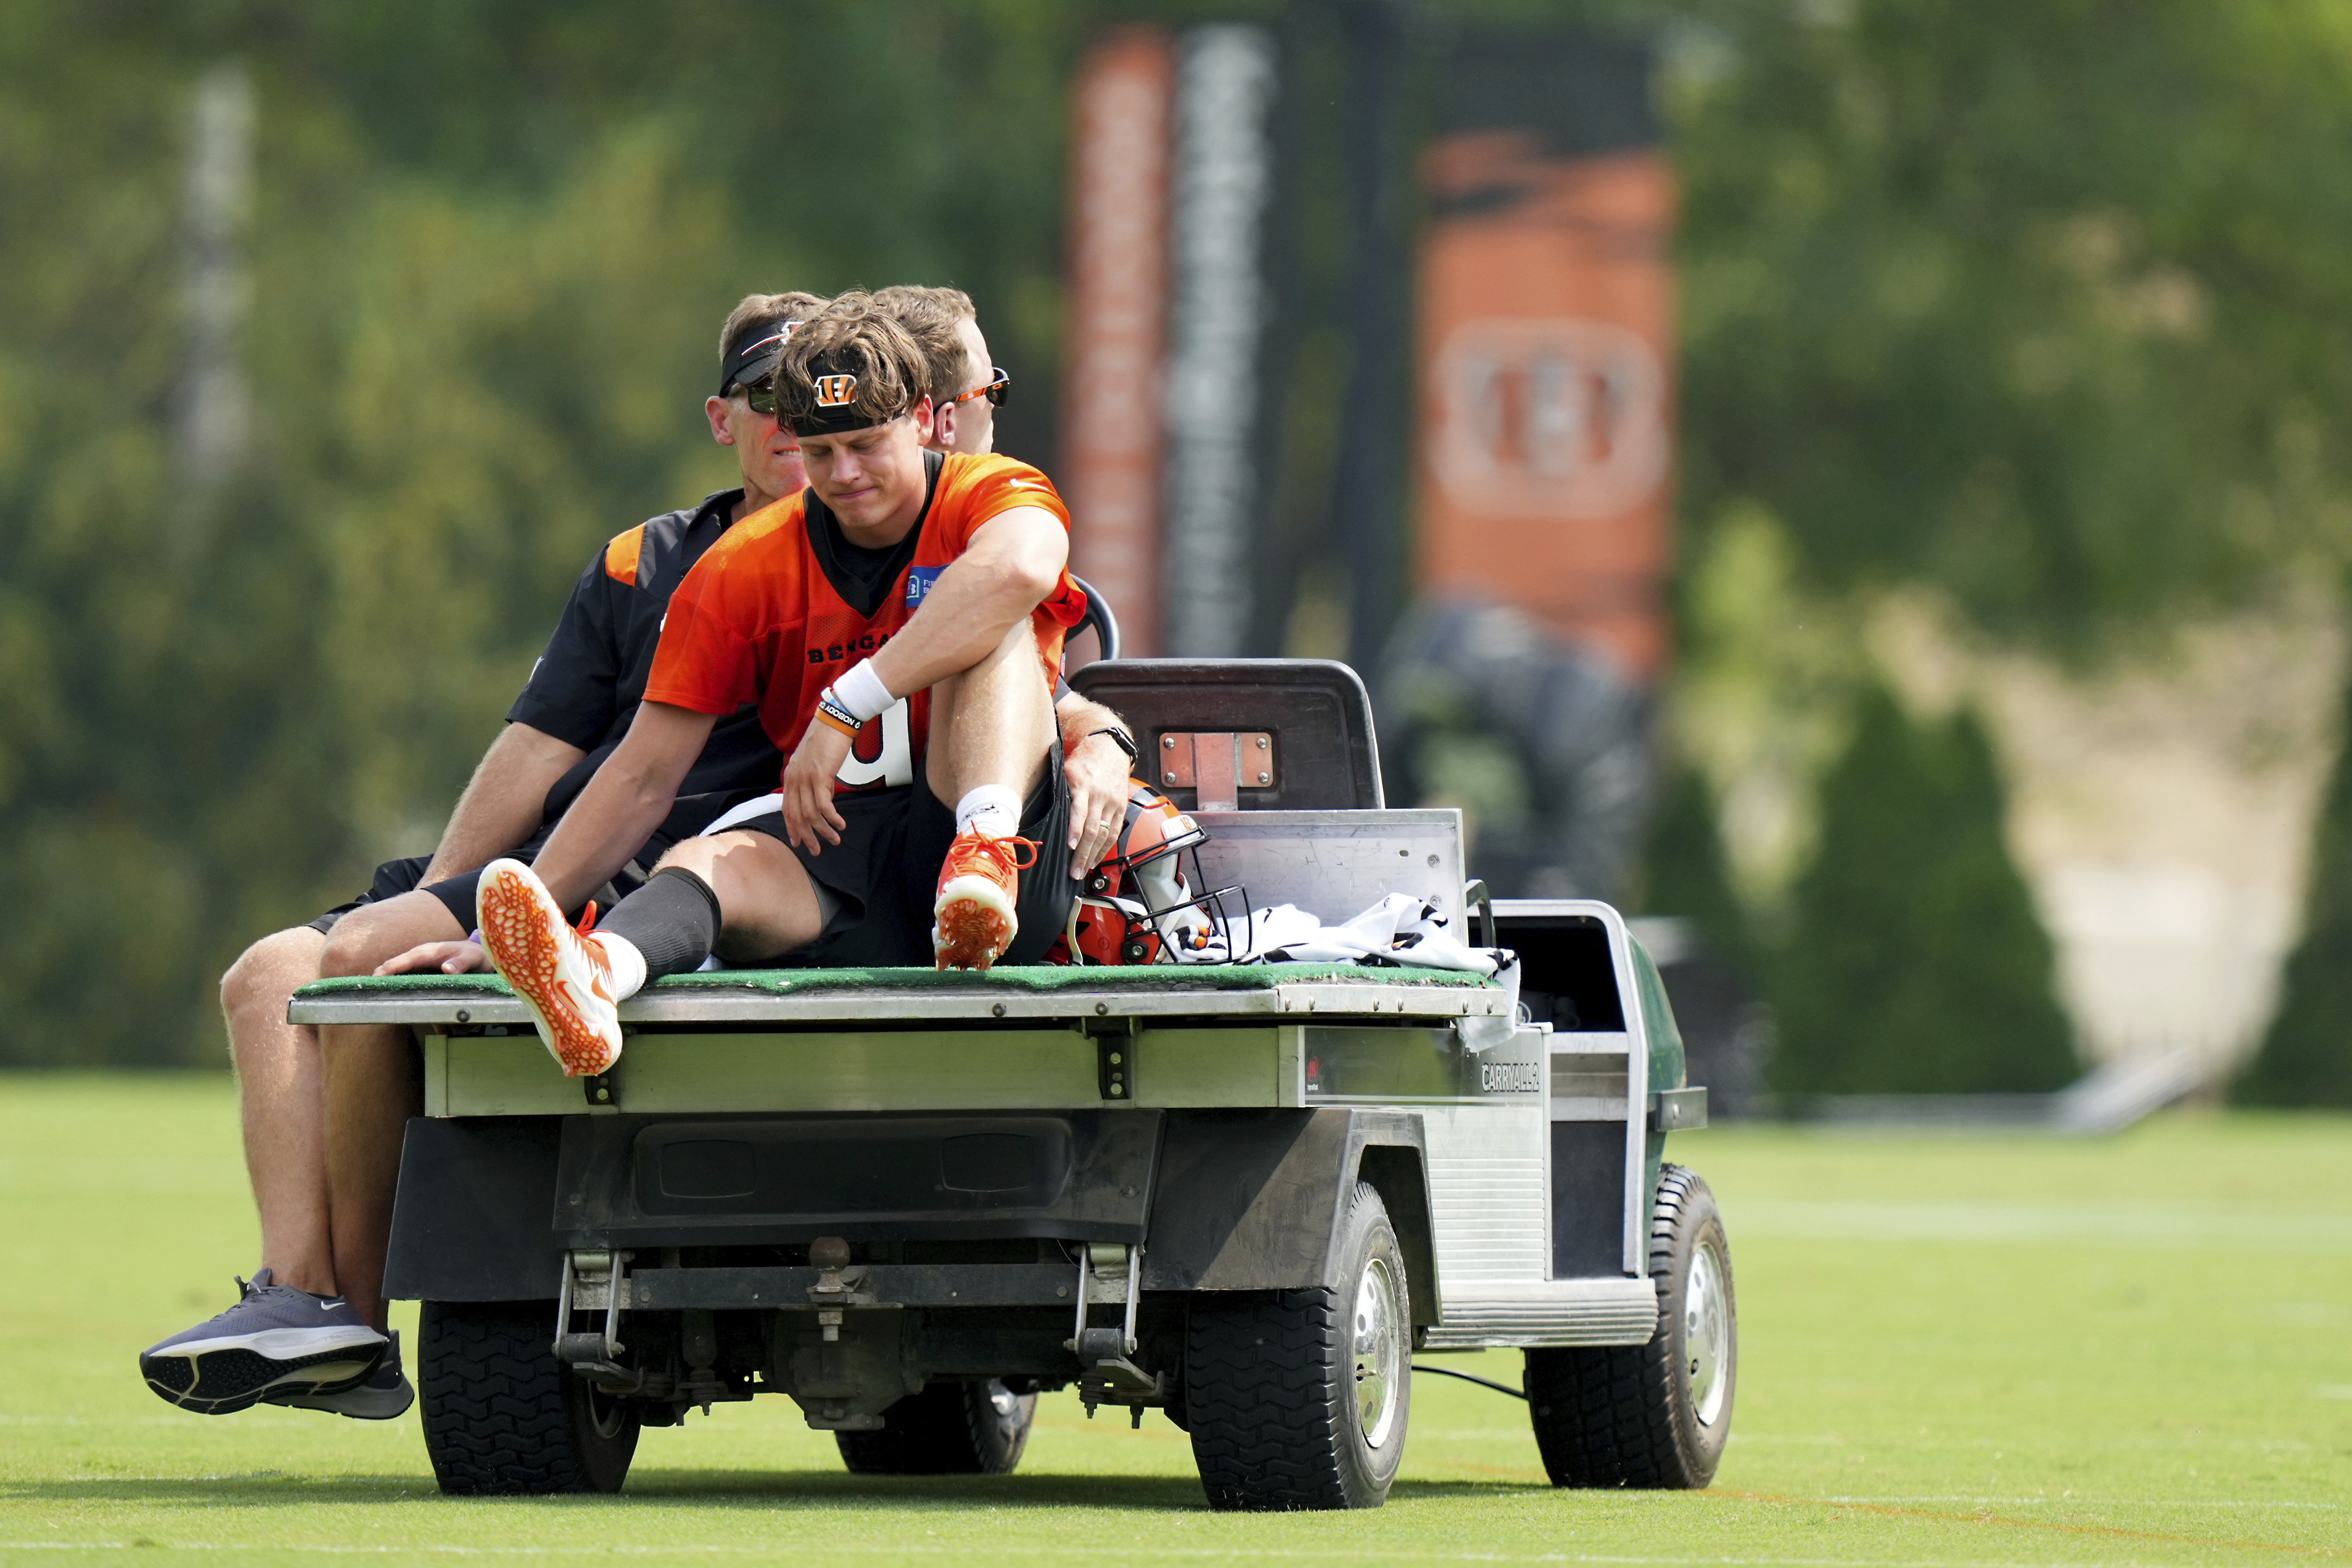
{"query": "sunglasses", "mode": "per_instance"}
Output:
(761, 393)
(996, 391)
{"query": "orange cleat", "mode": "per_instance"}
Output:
(561, 974)
(973, 920)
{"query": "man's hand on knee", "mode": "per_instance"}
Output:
(449, 957)
(374, 932)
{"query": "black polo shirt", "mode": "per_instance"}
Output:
(586, 685)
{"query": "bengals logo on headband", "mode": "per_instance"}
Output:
(835, 391)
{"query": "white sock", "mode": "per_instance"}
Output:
(992, 810)
(628, 963)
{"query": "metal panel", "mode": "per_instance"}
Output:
(1085, 1174)
(889, 1284)
(1588, 1198)
(1554, 1312)
(1315, 710)
(1677, 1108)
(1486, 1189)
(998, 1069)
(1211, 1068)
(671, 1074)
(1373, 1064)
(883, 1004)
(1636, 1247)
(1335, 864)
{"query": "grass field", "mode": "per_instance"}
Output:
(1953, 1350)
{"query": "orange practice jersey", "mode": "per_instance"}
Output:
(760, 620)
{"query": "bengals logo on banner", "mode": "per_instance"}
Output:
(835, 391)
(1546, 398)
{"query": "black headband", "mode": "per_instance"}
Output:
(754, 354)
(833, 411)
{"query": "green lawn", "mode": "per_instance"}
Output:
(1955, 1351)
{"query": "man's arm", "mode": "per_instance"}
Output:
(1099, 772)
(503, 801)
(623, 805)
(1013, 561)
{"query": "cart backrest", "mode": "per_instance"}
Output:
(1319, 753)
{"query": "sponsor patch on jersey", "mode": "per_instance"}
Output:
(918, 582)
(835, 391)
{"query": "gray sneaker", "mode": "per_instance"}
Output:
(383, 1396)
(276, 1339)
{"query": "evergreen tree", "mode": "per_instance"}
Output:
(1917, 964)
(2306, 1059)
(1684, 874)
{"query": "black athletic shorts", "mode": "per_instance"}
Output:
(886, 874)
(395, 878)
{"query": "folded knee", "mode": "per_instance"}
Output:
(265, 973)
(353, 947)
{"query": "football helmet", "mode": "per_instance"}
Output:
(1147, 900)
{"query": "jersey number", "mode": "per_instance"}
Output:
(883, 754)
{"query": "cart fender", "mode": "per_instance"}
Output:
(1251, 1200)
(474, 1218)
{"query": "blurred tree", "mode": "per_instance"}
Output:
(1915, 964)
(2307, 1058)
(2047, 304)
(1684, 873)
(492, 247)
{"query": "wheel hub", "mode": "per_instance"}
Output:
(1379, 1352)
(1707, 1337)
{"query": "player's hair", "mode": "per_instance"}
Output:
(929, 316)
(790, 306)
(852, 336)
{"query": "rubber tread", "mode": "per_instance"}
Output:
(1603, 1415)
(228, 1380)
(948, 1429)
(1258, 1386)
(497, 1419)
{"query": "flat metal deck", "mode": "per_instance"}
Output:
(773, 1002)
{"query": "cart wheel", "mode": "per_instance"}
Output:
(502, 1416)
(948, 1429)
(1297, 1399)
(1653, 1415)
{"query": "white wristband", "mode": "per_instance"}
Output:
(861, 690)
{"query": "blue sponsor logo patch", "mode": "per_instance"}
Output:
(918, 582)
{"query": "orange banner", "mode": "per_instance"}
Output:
(1546, 312)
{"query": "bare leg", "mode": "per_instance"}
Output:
(372, 1086)
(997, 721)
(279, 1101)
(764, 896)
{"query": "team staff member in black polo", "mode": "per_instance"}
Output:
(577, 705)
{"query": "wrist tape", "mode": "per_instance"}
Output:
(860, 692)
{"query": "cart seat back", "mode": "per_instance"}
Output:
(1296, 732)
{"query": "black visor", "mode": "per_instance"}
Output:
(754, 356)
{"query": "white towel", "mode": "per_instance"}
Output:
(1400, 929)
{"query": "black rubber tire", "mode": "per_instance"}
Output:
(502, 1416)
(1270, 1383)
(1622, 1416)
(948, 1429)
